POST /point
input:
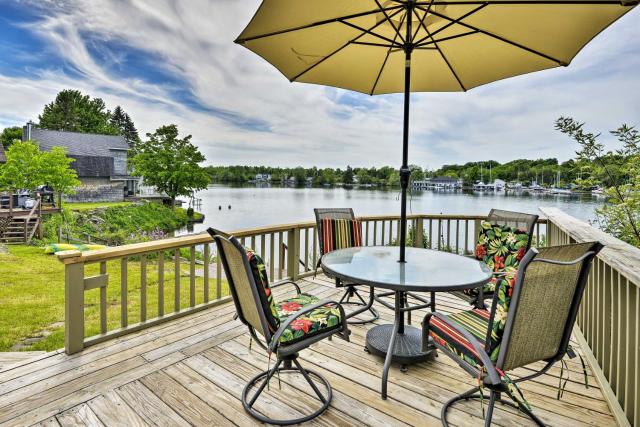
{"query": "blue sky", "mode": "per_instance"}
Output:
(174, 62)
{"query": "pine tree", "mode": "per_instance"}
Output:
(117, 119)
(129, 131)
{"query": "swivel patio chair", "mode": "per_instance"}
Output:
(504, 238)
(530, 320)
(339, 229)
(282, 328)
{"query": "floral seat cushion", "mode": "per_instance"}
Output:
(501, 248)
(322, 319)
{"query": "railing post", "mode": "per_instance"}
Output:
(293, 250)
(74, 307)
(477, 225)
(418, 233)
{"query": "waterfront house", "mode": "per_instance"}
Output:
(101, 161)
(263, 177)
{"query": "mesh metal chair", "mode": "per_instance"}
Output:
(531, 320)
(283, 328)
(351, 291)
(506, 235)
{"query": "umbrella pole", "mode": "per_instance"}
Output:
(405, 172)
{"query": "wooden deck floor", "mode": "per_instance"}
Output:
(191, 371)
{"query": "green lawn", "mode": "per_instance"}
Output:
(91, 206)
(32, 296)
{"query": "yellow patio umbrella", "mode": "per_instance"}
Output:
(390, 46)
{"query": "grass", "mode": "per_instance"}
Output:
(32, 296)
(79, 207)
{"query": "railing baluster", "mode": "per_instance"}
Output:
(375, 233)
(448, 235)
(280, 255)
(430, 233)
(192, 277)
(253, 243)
(103, 301)
(272, 258)
(306, 249)
(315, 248)
(207, 255)
(263, 246)
(366, 233)
(124, 294)
(466, 236)
(382, 234)
(143, 288)
(218, 277)
(176, 280)
(161, 283)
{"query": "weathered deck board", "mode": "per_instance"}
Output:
(192, 370)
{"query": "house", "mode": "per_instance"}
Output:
(263, 177)
(3, 158)
(100, 160)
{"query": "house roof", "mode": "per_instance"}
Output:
(78, 144)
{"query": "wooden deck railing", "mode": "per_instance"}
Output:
(120, 290)
(609, 318)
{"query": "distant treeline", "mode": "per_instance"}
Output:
(543, 171)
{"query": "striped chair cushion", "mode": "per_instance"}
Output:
(475, 321)
(340, 234)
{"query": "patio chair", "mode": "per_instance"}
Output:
(282, 328)
(530, 320)
(339, 229)
(504, 238)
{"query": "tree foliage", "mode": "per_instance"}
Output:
(10, 135)
(27, 168)
(74, 112)
(618, 171)
(121, 121)
(170, 163)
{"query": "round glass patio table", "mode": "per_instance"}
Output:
(424, 271)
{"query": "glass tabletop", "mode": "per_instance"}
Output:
(425, 270)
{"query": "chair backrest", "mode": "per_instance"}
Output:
(249, 285)
(337, 229)
(516, 220)
(544, 303)
(504, 238)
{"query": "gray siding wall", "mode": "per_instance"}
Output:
(98, 193)
(119, 162)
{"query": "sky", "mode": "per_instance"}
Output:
(174, 61)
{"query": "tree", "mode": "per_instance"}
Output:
(347, 177)
(57, 172)
(74, 112)
(10, 135)
(122, 121)
(27, 168)
(621, 215)
(170, 163)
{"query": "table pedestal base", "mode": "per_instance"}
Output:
(408, 346)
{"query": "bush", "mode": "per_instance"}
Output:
(117, 225)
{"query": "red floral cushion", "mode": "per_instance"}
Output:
(259, 272)
(319, 320)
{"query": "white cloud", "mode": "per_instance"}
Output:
(308, 126)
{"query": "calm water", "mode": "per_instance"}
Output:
(260, 206)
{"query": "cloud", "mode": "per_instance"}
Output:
(174, 62)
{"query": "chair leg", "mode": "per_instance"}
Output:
(494, 396)
(288, 365)
(352, 291)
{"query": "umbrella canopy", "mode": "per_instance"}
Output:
(390, 46)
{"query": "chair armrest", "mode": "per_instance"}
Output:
(494, 377)
(287, 282)
(284, 325)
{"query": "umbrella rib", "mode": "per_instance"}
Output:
(453, 22)
(340, 48)
(364, 30)
(504, 40)
(315, 24)
(444, 39)
(386, 15)
(386, 58)
(529, 3)
(426, 12)
(443, 56)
